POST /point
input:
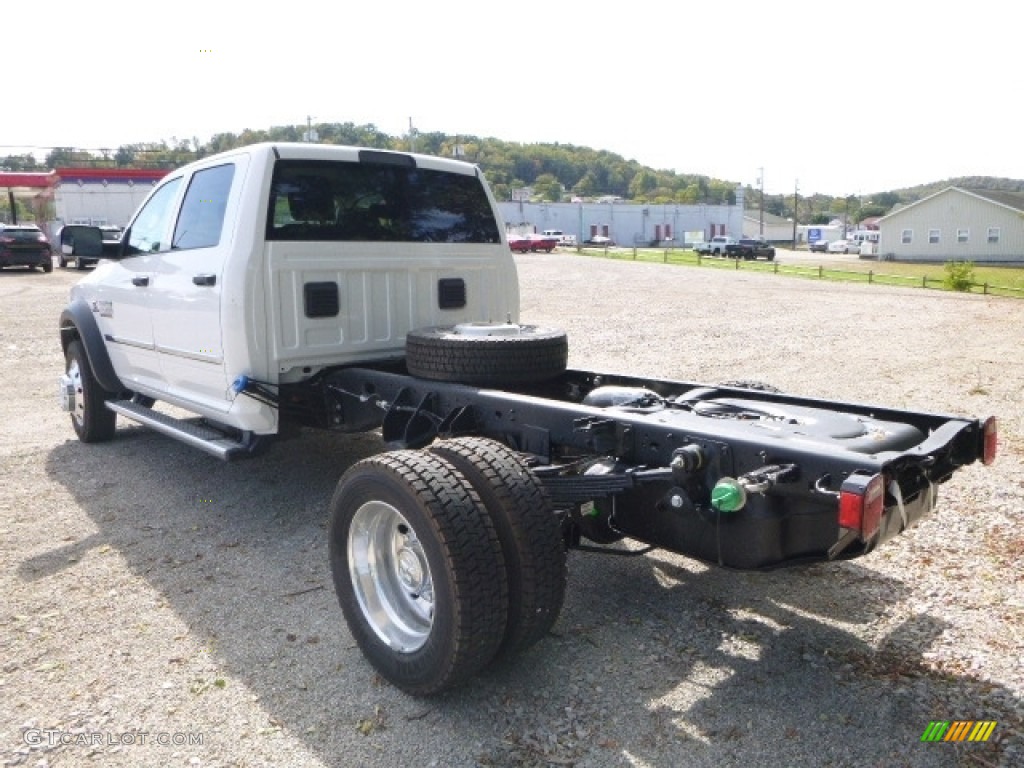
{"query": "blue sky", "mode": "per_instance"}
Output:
(841, 99)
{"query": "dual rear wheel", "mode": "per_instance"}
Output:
(445, 560)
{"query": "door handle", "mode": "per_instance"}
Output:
(205, 279)
(140, 281)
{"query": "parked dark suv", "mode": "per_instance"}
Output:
(755, 248)
(24, 245)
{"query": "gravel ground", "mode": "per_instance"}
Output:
(161, 608)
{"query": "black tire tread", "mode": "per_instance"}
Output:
(529, 530)
(475, 572)
(486, 361)
(98, 422)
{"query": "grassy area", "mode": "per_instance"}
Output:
(994, 280)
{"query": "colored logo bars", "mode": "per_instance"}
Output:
(958, 730)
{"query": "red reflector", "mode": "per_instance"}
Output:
(851, 510)
(861, 501)
(991, 440)
(874, 503)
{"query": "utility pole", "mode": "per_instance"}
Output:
(796, 199)
(760, 181)
(412, 137)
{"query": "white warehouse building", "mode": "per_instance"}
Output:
(102, 195)
(628, 224)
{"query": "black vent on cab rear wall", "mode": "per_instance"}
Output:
(451, 293)
(320, 299)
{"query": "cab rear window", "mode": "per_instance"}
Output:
(377, 202)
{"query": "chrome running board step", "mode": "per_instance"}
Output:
(201, 436)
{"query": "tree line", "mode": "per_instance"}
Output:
(551, 172)
(547, 172)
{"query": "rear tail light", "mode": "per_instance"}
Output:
(861, 501)
(990, 440)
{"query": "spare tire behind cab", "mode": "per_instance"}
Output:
(487, 354)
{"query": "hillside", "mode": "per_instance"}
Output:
(543, 171)
(910, 194)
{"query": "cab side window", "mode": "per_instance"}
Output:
(202, 212)
(151, 223)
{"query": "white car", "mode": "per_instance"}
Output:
(844, 246)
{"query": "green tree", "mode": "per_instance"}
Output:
(548, 187)
(67, 156)
(959, 275)
(870, 210)
(642, 185)
(124, 156)
(721, 192)
(662, 195)
(586, 186)
(221, 142)
(20, 163)
(688, 195)
(886, 199)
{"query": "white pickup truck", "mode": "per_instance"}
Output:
(346, 289)
(719, 245)
(564, 240)
(277, 261)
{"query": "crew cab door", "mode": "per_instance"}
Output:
(187, 290)
(121, 301)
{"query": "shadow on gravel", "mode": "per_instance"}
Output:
(655, 660)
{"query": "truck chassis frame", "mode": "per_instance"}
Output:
(623, 456)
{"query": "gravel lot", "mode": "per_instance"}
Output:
(154, 598)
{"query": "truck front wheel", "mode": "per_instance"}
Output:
(418, 570)
(92, 421)
(529, 531)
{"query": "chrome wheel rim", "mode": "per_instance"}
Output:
(78, 409)
(390, 576)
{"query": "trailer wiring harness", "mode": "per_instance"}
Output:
(261, 391)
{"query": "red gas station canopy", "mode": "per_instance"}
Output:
(28, 180)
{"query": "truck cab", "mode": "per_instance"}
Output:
(275, 261)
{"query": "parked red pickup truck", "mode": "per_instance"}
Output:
(524, 243)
